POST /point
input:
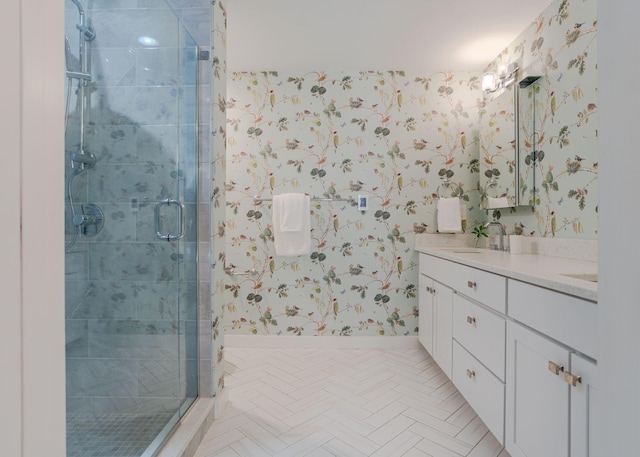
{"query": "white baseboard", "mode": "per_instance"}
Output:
(321, 342)
(222, 398)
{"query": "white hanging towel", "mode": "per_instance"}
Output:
(291, 224)
(449, 217)
(497, 202)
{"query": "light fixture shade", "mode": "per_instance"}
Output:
(489, 82)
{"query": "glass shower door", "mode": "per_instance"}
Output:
(131, 195)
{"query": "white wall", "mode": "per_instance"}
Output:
(619, 243)
(297, 36)
(10, 331)
(31, 233)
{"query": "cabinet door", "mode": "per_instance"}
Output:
(537, 400)
(443, 327)
(425, 312)
(583, 401)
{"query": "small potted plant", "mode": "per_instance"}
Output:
(479, 231)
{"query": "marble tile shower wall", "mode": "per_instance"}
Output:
(123, 285)
(218, 72)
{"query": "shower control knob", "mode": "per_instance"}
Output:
(90, 220)
(78, 219)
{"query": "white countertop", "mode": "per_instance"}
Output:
(540, 270)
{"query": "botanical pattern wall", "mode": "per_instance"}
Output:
(218, 174)
(560, 46)
(390, 136)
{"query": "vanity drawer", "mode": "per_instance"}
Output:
(481, 332)
(570, 320)
(482, 390)
(487, 288)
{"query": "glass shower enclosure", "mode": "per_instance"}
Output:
(131, 169)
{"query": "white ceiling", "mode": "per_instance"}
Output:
(425, 35)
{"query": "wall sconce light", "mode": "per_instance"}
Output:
(506, 74)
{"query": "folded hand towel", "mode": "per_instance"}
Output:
(499, 202)
(290, 211)
(449, 218)
(291, 224)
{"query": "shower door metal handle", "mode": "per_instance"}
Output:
(181, 220)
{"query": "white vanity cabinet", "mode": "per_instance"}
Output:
(434, 321)
(583, 401)
(425, 312)
(481, 332)
(537, 397)
(550, 382)
(442, 337)
(523, 356)
(550, 397)
(467, 334)
(479, 360)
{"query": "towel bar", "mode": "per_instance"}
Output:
(231, 271)
(313, 199)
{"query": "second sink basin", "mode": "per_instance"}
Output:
(464, 250)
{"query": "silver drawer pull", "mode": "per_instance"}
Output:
(471, 374)
(471, 320)
(572, 379)
(471, 284)
(555, 368)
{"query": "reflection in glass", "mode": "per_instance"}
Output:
(498, 150)
(528, 153)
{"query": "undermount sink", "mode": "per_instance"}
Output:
(465, 250)
(591, 277)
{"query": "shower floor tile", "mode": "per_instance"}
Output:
(112, 435)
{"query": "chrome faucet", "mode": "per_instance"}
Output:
(501, 232)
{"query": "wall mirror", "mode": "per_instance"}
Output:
(498, 140)
(507, 147)
(527, 153)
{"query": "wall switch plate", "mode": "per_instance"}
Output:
(363, 203)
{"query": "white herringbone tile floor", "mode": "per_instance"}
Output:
(344, 402)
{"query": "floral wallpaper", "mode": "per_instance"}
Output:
(390, 136)
(393, 137)
(218, 173)
(560, 46)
